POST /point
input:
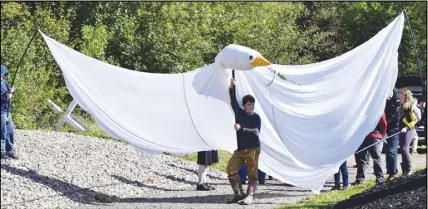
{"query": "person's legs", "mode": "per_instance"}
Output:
(415, 142)
(3, 136)
(362, 163)
(344, 170)
(235, 162)
(202, 173)
(336, 181)
(405, 140)
(10, 138)
(252, 159)
(391, 155)
(376, 154)
(262, 176)
(243, 173)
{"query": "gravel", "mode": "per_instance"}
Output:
(408, 192)
(66, 170)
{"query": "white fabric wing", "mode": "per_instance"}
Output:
(307, 130)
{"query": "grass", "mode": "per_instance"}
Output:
(329, 199)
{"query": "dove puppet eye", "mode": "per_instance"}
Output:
(251, 57)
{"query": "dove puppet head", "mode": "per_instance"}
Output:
(240, 58)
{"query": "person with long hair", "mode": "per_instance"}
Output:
(407, 124)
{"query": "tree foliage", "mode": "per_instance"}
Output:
(173, 37)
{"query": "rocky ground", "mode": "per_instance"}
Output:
(72, 171)
(408, 192)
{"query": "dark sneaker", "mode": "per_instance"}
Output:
(209, 186)
(4, 156)
(337, 187)
(261, 182)
(391, 177)
(357, 182)
(379, 181)
(12, 155)
(408, 173)
(203, 187)
(270, 178)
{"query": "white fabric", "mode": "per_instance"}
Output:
(307, 131)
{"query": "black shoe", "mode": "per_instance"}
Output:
(209, 186)
(4, 156)
(203, 187)
(357, 182)
(262, 182)
(270, 178)
(336, 187)
(12, 155)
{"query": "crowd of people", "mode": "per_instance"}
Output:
(402, 114)
(397, 127)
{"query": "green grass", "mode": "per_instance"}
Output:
(330, 198)
(221, 165)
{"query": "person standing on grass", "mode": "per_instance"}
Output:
(248, 129)
(344, 170)
(407, 124)
(6, 123)
(393, 115)
(205, 159)
(415, 139)
(374, 142)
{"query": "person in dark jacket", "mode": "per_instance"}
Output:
(393, 115)
(243, 174)
(205, 159)
(375, 151)
(6, 123)
(248, 129)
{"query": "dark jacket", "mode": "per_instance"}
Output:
(392, 113)
(248, 135)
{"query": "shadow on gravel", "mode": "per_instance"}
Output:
(75, 193)
(140, 184)
(209, 199)
(196, 172)
(182, 180)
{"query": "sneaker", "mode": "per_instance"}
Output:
(357, 182)
(391, 177)
(211, 187)
(408, 173)
(379, 181)
(4, 156)
(203, 187)
(262, 182)
(270, 178)
(12, 155)
(345, 187)
(336, 187)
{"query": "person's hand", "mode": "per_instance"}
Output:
(404, 130)
(237, 127)
(232, 83)
(9, 95)
(12, 90)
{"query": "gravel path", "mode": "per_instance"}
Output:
(74, 171)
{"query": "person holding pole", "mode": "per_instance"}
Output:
(247, 126)
(393, 115)
(6, 123)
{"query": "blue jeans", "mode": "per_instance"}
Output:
(391, 154)
(7, 133)
(243, 174)
(344, 170)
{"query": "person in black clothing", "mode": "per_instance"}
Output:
(205, 159)
(393, 115)
(248, 129)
